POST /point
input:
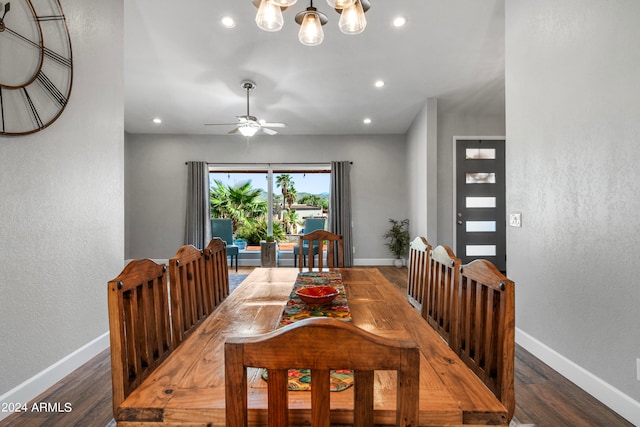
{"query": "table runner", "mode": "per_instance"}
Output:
(296, 309)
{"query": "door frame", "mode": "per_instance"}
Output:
(454, 218)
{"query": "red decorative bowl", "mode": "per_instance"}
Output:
(317, 295)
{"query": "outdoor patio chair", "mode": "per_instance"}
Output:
(223, 228)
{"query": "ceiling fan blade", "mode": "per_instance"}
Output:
(274, 125)
(233, 131)
(220, 124)
(269, 131)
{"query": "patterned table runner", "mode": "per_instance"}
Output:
(296, 309)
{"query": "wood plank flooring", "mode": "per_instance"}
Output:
(544, 398)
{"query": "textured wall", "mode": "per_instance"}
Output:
(156, 182)
(62, 226)
(573, 144)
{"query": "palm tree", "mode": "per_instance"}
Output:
(285, 182)
(241, 203)
(291, 196)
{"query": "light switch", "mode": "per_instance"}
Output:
(515, 220)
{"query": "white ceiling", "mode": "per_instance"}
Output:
(183, 66)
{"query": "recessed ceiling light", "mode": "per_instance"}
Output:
(399, 21)
(366, 121)
(228, 22)
(157, 120)
(379, 83)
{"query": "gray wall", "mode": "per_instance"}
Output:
(573, 144)
(430, 164)
(156, 183)
(62, 209)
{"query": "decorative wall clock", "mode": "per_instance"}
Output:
(36, 66)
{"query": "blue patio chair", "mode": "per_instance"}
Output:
(223, 228)
(310, 224)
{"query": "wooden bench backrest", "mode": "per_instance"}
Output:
(487, 328)
(419, 252)
(191, 299)
(440, 307)
(298, 346)
(335, 249)
(217, 270)
(139, 325)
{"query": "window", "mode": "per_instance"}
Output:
(269, 199)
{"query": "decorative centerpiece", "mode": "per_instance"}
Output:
(317, 295)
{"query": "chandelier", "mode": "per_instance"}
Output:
(311, 20)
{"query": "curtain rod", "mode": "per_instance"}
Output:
(266, 164)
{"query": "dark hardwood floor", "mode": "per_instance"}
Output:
(543, 397)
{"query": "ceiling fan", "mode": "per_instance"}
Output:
(249, 125)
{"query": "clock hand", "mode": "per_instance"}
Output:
(48, 52)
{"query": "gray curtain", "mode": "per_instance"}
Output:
(198, 221)
(340, 207)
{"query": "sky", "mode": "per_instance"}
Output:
(314, 183)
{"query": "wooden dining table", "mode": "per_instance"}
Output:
(188, 388)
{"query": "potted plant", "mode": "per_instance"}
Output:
(398, 239)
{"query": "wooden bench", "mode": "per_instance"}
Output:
(216, 270)
(419, 251)
(139, 324)
(486, 337)
(440, 307)
(191, 299)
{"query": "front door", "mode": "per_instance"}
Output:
(480, 201)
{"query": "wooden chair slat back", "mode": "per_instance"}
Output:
(139, 325)
(487, 328)
(298, 346)
(335, 250)
(419, 253)
(440, 307)
(216, 270)
(190, 297)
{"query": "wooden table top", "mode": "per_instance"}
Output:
(188, 388)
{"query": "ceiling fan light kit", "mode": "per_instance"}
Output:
(352, 20)
(249, 125)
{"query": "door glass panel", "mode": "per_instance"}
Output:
(480, 153)
(481, 178)
(480, 202)
(481, 226)
(481, 250)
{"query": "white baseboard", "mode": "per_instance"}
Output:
(34, 386)
(610, 396)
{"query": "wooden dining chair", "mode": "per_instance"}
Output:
(310, 344)
(419, 252)
(139, 325)
(440, 307)
(216, 270)
(310, 224)
(335, 249)
(191, 299)
(487, 328)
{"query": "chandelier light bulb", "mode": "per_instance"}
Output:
(269, 17)
(341, 4)
(284, 3)
(352, 20)
(311, 33)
